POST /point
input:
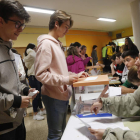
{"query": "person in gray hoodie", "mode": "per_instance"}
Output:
(13, 94)
(122, 106)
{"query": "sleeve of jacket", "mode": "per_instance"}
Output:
(86, 61)
(6, 101)
(42, 64)
(123, 106)
(119, 134)
(81, 66)
(21, 70)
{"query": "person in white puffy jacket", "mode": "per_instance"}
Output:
(29, 59)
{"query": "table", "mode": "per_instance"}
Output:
(75, 129)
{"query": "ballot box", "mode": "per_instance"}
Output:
(87, 90)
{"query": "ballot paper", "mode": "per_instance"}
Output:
(33, 93)
(87, 125)
(114, 91)
(91, 78)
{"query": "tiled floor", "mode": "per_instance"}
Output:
(36, 130)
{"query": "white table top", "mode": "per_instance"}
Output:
(76, 130)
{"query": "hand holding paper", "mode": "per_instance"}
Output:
(98, 133)
(33, 93)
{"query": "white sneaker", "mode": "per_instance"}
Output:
(38, 117)
(42, 112)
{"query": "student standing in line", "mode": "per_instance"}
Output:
(77, 45)
(51, 70)
(13, 94)
(94, 55)
(123, 106)
(74, 61)
(84, 56)
(29, 59)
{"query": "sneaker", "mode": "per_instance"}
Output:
(38, 117)
(42, 112)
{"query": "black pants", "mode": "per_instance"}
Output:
(18, 134)
(34, 83)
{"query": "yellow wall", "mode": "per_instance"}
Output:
(125, 32)
(30, 35)
(88, 38)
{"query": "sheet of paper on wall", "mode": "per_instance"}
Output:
(91, 78)
(114, 91)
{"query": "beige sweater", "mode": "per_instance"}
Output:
(51, 68)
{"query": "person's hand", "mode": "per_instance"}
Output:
(98, 133)
(98, 64)
(91, 58)
(19, 74)
(106, 95)
(115, 78)
(73, 78)
(83, 75)
(109, 74)
(112, 65)
(32, 90)
(25, 100)
(96, 107)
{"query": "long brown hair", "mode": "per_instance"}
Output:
(132, 75)
(72, 51)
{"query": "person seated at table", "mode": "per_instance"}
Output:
(119, 67)
(130, 57)
(122, 106)
(133, 76)
(74, 62)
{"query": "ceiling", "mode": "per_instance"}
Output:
(116, 9)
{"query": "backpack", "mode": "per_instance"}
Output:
(109, 51)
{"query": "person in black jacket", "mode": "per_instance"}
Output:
(115, 48)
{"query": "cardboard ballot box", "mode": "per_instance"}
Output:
(89, 88)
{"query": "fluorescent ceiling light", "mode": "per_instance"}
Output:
(39, 10)
(107, 19)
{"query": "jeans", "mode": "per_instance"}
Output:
(17, 134)
(34, 83)
(56, 116)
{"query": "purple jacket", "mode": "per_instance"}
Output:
(75, 66)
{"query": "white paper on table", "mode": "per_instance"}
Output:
(114, 91)
(91, 78)
(80, 132)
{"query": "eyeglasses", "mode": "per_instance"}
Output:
(18, 24)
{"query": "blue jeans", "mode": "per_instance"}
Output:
(56, 116)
